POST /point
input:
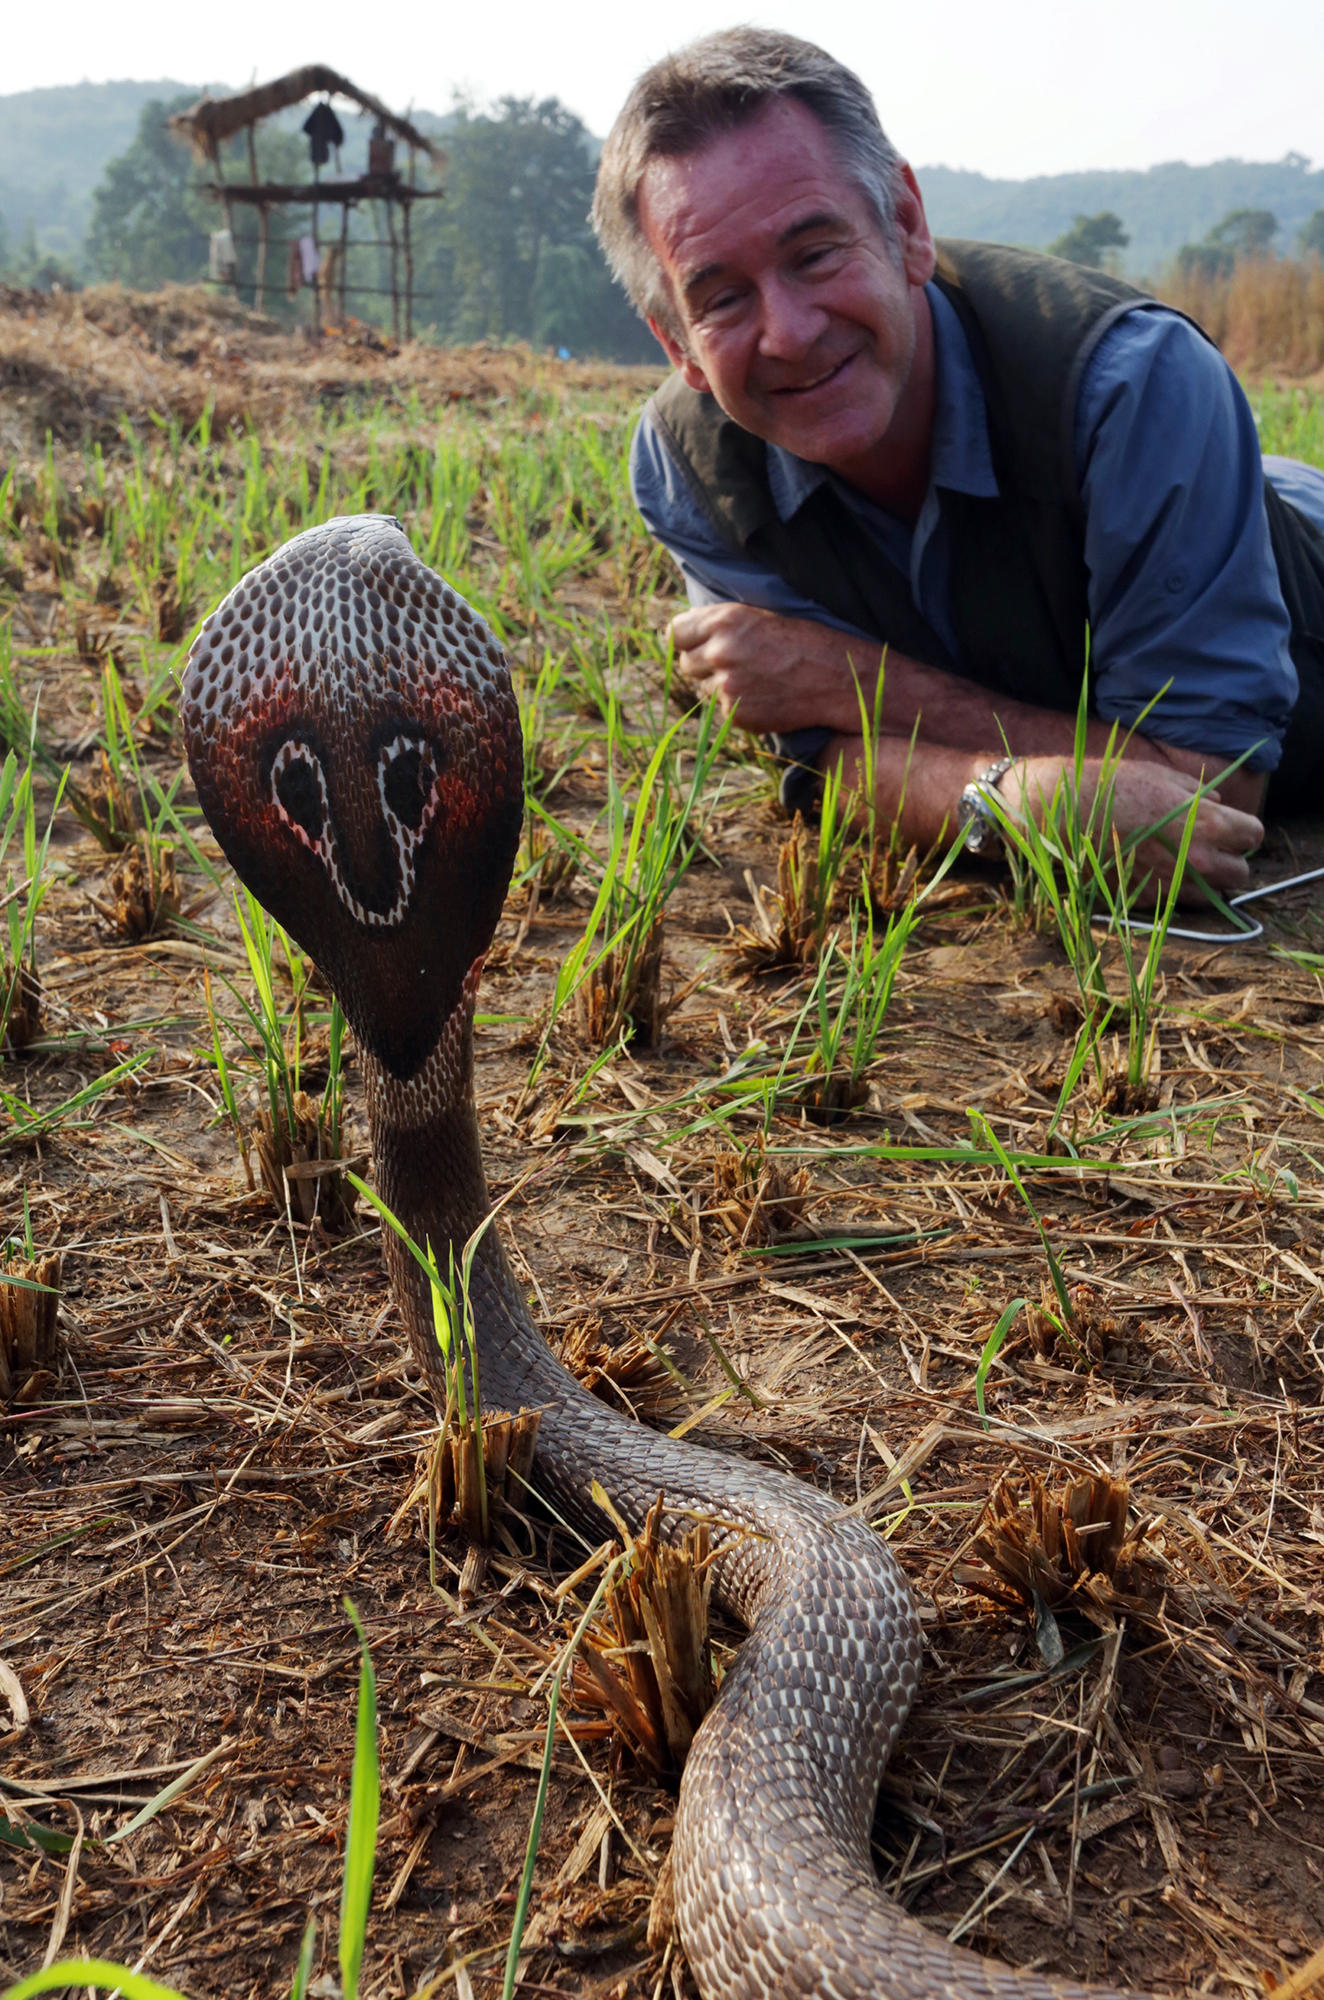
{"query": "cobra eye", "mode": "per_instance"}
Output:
(299, 793)
(407, 783)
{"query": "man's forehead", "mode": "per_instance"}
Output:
(776, 174)
(784, 134)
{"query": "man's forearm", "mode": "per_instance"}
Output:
(955, 714)
(917, 789)
(777, 675)
(945, 712)
(961, 715)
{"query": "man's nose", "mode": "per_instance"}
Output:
(791, 323)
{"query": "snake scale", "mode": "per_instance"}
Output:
(355, 743)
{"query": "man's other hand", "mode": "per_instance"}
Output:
(775, 674)
(1144, 793)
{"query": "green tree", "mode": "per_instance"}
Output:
(1204, 260)
(31, 265)
(1311, 240)
(1246, 232)
(562, 282)
(152, 214)
(1090, 238)
(144, 229)
(574, 303)
(519, 179)
(510, 252)
(1243, 232)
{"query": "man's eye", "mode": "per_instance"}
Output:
(718, 304)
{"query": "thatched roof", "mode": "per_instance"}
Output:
(214, 119)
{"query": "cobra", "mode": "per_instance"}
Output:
(355, 742)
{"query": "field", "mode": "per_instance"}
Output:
(878, 1183)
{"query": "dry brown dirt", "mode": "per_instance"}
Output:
(215, 1470)
(74, 365)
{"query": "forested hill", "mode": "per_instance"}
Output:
(56, 144)
(1160, 209)
(54, 147)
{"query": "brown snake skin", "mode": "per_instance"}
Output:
(356, 748)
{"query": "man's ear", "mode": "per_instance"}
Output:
(679, 357)
(911, 230)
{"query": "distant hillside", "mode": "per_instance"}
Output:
(55, 146)
(1161, 208)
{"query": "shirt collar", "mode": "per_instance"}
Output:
(962, 459)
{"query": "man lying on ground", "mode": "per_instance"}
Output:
(998, 464)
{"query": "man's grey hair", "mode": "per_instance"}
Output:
(711, 87)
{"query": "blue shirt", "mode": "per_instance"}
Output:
(1182, 586)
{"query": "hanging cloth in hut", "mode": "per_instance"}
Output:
(222, 264)
(324, 131)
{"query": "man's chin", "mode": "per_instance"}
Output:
(836, 440)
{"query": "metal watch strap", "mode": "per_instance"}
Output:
(984, 835)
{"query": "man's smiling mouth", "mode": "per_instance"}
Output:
(819, 381)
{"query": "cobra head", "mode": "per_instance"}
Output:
(355, 742)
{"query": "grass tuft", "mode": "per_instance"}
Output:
(1069, 1544)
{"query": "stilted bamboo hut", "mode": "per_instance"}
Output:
(213, 120)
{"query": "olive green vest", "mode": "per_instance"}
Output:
(1018, 581)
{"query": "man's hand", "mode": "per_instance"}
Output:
(1144, 793)
(775, 674)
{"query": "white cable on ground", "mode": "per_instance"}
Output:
(1252, 929)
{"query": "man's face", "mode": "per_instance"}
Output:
(797, 313)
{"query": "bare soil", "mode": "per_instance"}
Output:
(76, 364)
(185, 1509)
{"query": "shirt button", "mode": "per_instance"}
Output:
(1175, 584)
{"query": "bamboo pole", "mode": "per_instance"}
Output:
(316, 287)
(395, 267)
(409, 270)
(260, 276)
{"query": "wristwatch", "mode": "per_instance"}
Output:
(983, 835)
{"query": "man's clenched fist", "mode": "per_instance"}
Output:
(775, 674)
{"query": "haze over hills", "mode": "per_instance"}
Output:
(54, 147)
(1161, 208)
(56, 144)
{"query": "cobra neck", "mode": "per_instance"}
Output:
(428, 1169)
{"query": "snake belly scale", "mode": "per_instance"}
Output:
(354, 739)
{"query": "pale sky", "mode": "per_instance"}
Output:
(1012, 89)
